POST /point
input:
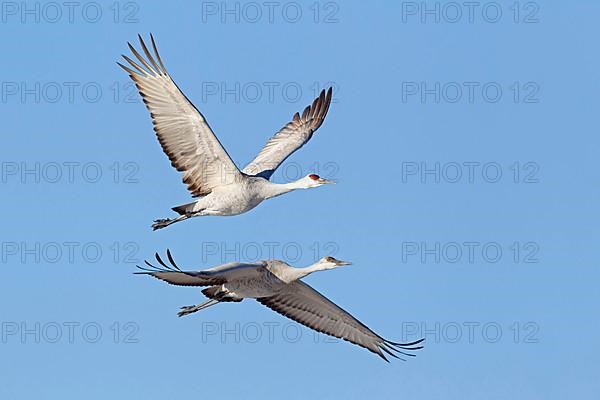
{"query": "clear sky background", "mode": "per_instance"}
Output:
(498, 272)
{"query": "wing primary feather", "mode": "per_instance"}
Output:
(157, 55)
(149, 55)
(161, 262)
(316, 102)
(384, 345)
(141, 70)
(141, 59)
(166, 268)
(143, 269)
(406, 346)
(305, 112)
(131, 72)
(391, 354)
(320, 105)
(171, 260)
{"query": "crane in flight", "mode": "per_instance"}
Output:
(278, 286)
(192, 147)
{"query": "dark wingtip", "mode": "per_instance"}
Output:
(171, 260)
(390, 353)
(127, 69)
(394, 348)
(406, 344)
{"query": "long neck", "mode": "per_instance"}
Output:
(277, 189)
(298, 273)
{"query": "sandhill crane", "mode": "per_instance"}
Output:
(193, 148)
(277, 285)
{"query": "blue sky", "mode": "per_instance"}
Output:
(463, 141)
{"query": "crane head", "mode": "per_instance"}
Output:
(314, 180)
(331, 262)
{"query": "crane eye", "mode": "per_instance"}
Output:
(329, 259)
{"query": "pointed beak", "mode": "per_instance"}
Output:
(344, 263)
(323, 181)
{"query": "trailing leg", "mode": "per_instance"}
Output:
(192, 309)
(163, 223)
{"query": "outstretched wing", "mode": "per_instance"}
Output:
(303, 304)
(172, 274)
(181, 129)
(290, 138)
